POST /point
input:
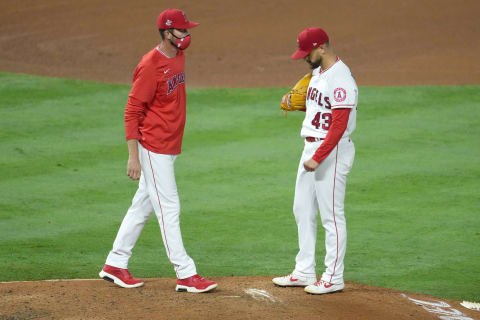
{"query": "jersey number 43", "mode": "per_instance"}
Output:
(327, 120)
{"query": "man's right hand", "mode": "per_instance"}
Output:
(134, 169)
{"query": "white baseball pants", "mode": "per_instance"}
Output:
(324, 190)
(157, 191)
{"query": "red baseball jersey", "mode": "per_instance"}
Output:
(156, 109)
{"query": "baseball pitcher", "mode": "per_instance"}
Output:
(328, 96)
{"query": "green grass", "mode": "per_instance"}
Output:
(412, 206)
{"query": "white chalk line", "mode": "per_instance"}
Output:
(440, 308)
(261, 295)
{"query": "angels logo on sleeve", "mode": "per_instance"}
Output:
(339, 94)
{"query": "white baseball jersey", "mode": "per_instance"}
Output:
(329, 89)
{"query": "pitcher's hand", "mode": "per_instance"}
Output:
(310, 165)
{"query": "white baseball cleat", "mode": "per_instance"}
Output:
(294, 281)
(322, 287)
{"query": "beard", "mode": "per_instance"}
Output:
(315, 64)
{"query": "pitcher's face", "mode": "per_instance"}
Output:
(314, 58)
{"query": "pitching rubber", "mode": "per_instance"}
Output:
(111, 278)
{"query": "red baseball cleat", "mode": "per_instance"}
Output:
(195, 284)
(120, 277)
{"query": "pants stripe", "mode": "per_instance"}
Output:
(334, 219)
(161, 210)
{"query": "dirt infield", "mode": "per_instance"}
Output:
(246, 43)
(235, 298)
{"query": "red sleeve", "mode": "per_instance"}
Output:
(144, 83)
(134, 114)
(335, 133)
(143, 91)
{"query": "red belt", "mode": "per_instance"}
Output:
(313, 139)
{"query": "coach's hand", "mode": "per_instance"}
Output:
(134, 168)
(310, 165)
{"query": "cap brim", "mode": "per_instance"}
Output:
(188, 25)
(299, 54)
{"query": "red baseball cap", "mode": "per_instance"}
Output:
(174, 19)
(308, 40)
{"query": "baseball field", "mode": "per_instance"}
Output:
(412, 203)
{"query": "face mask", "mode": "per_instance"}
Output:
(181, 43)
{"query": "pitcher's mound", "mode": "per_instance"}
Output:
(235, 298)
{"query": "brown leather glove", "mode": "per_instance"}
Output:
(295, 99)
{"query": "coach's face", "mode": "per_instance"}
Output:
(174, 34)
(314, 58)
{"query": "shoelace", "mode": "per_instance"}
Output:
(198, 278)
(320, 283)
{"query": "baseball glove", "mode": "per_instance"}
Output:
(295, 99)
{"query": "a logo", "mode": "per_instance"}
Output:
(166, 71)
(175, 81)
(339, 94)
(168, 22)
(293, 280)
(327, 285)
